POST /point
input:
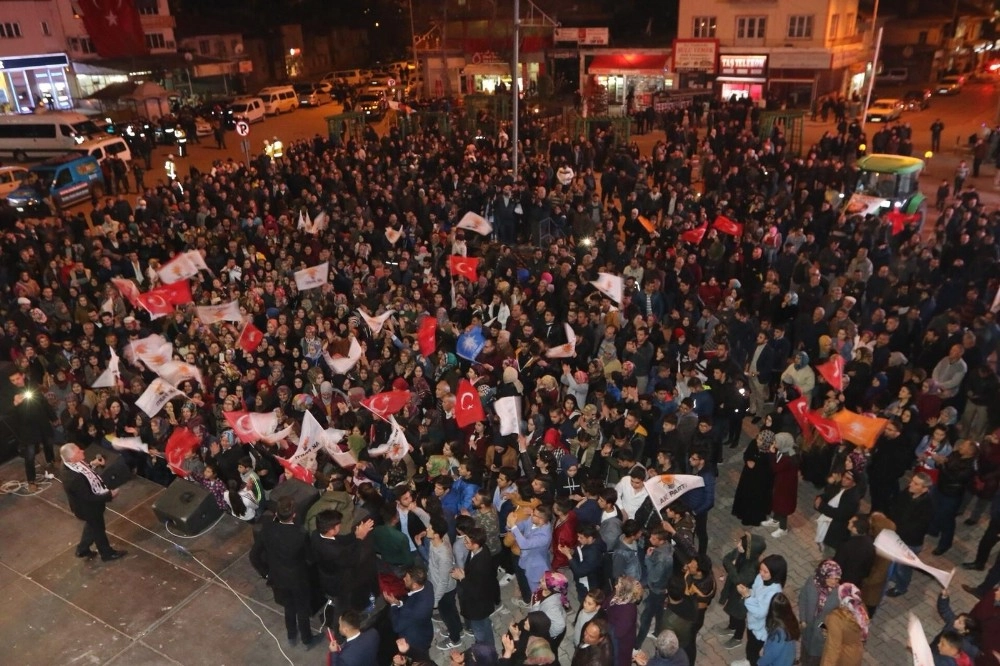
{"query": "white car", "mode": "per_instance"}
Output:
(202, 126)
(884, 111)
(10, 179)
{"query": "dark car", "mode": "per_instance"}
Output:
(917, 100)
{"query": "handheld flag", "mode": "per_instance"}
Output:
(724, 225)
(666, 488)
(464, 267)
(213, 314)
(509, 411)
(477, 223)
(564, 350)
(156, 396)
(109, 377)
(833, 371)
(800, 410)
(470, 343)
(427, 336)
(858, 429)
(180, 443)
(387, 403)
(827, 428)
(889, 545)
(611, 286)
(468, 405)
(250, 338)
(343, 364)
(695, 236)
(312, 277)
(375, 324)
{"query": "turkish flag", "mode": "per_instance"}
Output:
(155, 303)
(900, 220)
(387, 403)
(114, 27)
(127, 289)
(646, 224)
(800, 410)
(859, 429)
(695, 236)
(298, 471)
(827, 428)
(468, 406)
(727, 226)
(833, 371)
(178, 293)
(464, 267)
(250, 338)
(181, 442)
(242, 424)
(427, 337)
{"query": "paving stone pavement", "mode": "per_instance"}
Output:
(887, 642)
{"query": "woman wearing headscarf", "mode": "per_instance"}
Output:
(846, 629)
(771, 576)
(526, 642)
(752, 501)
(784, 465)
(741, 565)
(551, 599)
(623, 613)
(817, 599)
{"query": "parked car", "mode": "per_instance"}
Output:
(373, 104)
(917, 100)
(950, 85)
(103, 148)
(250, 109)
(884, 111)
(894, 75)
(61, 181)
(314, 94)
(10, 179)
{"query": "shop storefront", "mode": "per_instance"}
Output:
(32, 81)
(639, 75)
(742, 76)
(793, 75)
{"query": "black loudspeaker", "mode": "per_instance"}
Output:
(301, 493)
(115, 471)
(187, 506)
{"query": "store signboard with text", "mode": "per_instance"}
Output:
(742, 65)
(695, 55)
(582, 36)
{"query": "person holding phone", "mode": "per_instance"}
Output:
(31, 419)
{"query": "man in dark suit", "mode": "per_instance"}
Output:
(279, 554)
(478, 589)
(87, 497)
(338, 560)
(760, 370)
(411, 616)
(359, 648)
(504, 215)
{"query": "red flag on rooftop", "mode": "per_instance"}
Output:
(115, 27)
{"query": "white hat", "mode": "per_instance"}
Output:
(128, 320)
(23, 301)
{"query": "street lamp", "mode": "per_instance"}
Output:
(517, 69)
(871, 79)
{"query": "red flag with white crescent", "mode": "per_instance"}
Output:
(833, 371)
(466, 267)
(800, 410)
(427, 336)
(827, 428)
(387, 403)
(250, 338)
(155, 303)
(298, 471)
(114, 27)
(127, 289)
(727, 226)
(468, 406)
(181, 442)
(242, 424)
(695, 236)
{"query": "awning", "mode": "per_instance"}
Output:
(486, 69)
(628, 63)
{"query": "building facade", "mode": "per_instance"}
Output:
(790, 50)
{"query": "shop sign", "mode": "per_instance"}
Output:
(29, 62)
(742, 65)
(563, 54)
(488, 58)
(582, 36)
(800, 59)
(695, 55)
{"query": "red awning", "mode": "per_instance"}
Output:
(629, 63)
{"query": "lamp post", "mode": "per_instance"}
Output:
(516, 70)
(871, 79)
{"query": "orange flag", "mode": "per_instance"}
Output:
(857, 429)
(647, 225)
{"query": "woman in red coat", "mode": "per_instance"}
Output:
(564, 532)
(785, 468)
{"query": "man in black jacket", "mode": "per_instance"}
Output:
(856, 555)
(911, 511)
(892, 456)
(478, 589)
(846, 508)
(279, 554)
(88, 497)
(338, 558)
(31, 420)
(954, 478)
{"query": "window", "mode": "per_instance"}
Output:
(154, 40)
(204, 46)
(148, 7)
(46, 30)
(800, 27)
(87, 45)
(10, 30)
(852, 26)
(922, 37)
(750, 27)
(704, 26)
(834, 26)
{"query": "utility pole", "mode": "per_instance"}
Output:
(871, 78)
(413, 38)
(514, 79)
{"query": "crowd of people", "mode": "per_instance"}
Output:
(719, 334)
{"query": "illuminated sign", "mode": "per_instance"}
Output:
(742, 65)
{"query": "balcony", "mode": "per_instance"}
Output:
(152, 22)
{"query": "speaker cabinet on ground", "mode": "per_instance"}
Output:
(115, 471)
(187, 507)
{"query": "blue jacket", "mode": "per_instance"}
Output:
(362, 651)
(778, 650)
(459, 497)
(412, 620)
(536, 551)
(700, 500)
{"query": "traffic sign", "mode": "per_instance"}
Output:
(243, 128)
(391, 83)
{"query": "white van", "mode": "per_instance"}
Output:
(352, 77)
(103, 148)
(35, 134)
(278, 99)
(250, 109)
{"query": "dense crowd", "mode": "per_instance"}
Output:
(719, 331)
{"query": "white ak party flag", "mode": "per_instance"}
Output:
(610, 285)
(343, 364)
(509, 411)
(312, 277)
(921, 649)
(158, 394)
(109, 377)
(565, 350)
(305, 223)
(666, 488)
(155, 357)
(375, 324)
(319, 223)
(475, 222)
(179, 268)
(143, 345)
(310, 441)
(177, 372)
(276, 437)
(888, 544)
(129, 443)
(397, 447)
(198, 261)
(392, 235)
(213, 314)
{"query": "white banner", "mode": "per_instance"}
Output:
(611, 286)
(156, 396)
(310, 441)
(888, 544)
(666, 488)
(179, 268)
(565, 350)
(375, 324)
(129, 443)
(509, 411)
(312, 277)
(921, 649)
(342, 365)
(109, 377)
(477, 223)
(213, 314)
(177, 372)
